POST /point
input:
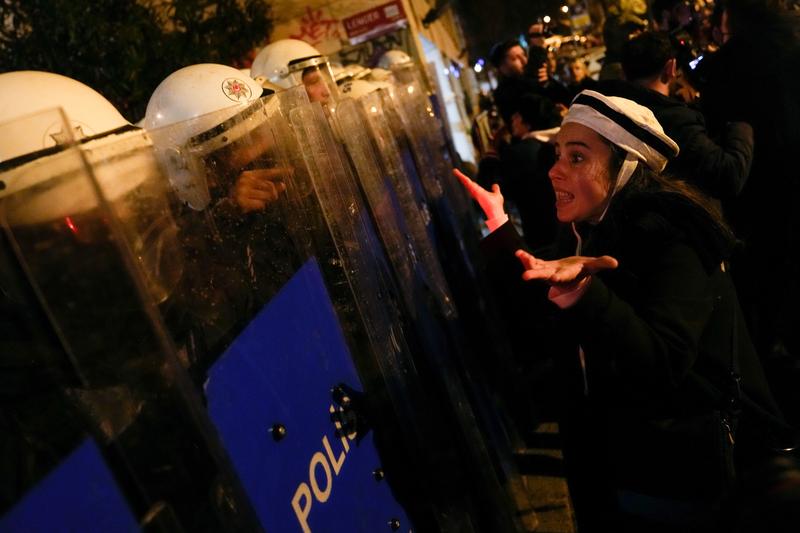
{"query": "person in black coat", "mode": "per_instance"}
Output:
(524, 166)
(648, 319)
(719, 167)
(510, 60)
(755, 77)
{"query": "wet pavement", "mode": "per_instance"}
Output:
(541, 467)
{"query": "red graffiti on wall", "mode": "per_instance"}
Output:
(314, 28)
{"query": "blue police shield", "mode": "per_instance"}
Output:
(79, 495)
(271, 396)
(88, 276)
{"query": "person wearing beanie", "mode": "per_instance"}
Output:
(652, 348)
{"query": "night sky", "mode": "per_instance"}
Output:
(489, 21)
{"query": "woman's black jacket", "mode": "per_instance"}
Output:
(657, 333)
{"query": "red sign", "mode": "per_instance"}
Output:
(376, 21)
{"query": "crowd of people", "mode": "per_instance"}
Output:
(655, 264)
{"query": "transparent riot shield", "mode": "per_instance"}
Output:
(410, 259)
(405, 73)
(423, 124)
(40, 426)
(443, 133)
(440, 337)
(439, 135)
(411, 124)
(376, 111)
(405, 112)
(414, 121)
(232, 226)
(102, 417)
(408, 162)
(360, 256)
(433, 146)
(270, 332)
(348, 219)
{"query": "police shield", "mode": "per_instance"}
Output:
(377, 111)
(380, 115)
(114, 415)
(272, 328)
(432, 325)
(429, 435)
(437, 132)
(456, 247)
(426, 129)
(231, 211)
(409, 102)
(410, 125)
(319, 161)
(253, 342)
(383, 202)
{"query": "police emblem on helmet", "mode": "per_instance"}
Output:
(236, 89)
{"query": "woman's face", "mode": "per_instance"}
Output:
(580, 177)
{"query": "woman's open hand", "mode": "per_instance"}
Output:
(563, 273)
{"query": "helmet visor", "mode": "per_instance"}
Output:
(316, 76)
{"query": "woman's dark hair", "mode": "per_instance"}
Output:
(645, 180)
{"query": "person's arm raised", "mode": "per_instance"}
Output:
(491, 202)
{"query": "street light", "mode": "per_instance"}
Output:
(565, 9)
(546, 19)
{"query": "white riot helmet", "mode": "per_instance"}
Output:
(392, 58)
(27, 92)
(291, 62)
(357, 88)
(195, 111)
(380, 74)
(338, 71)
(272, 61)
(354, 72)
(197, 90)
